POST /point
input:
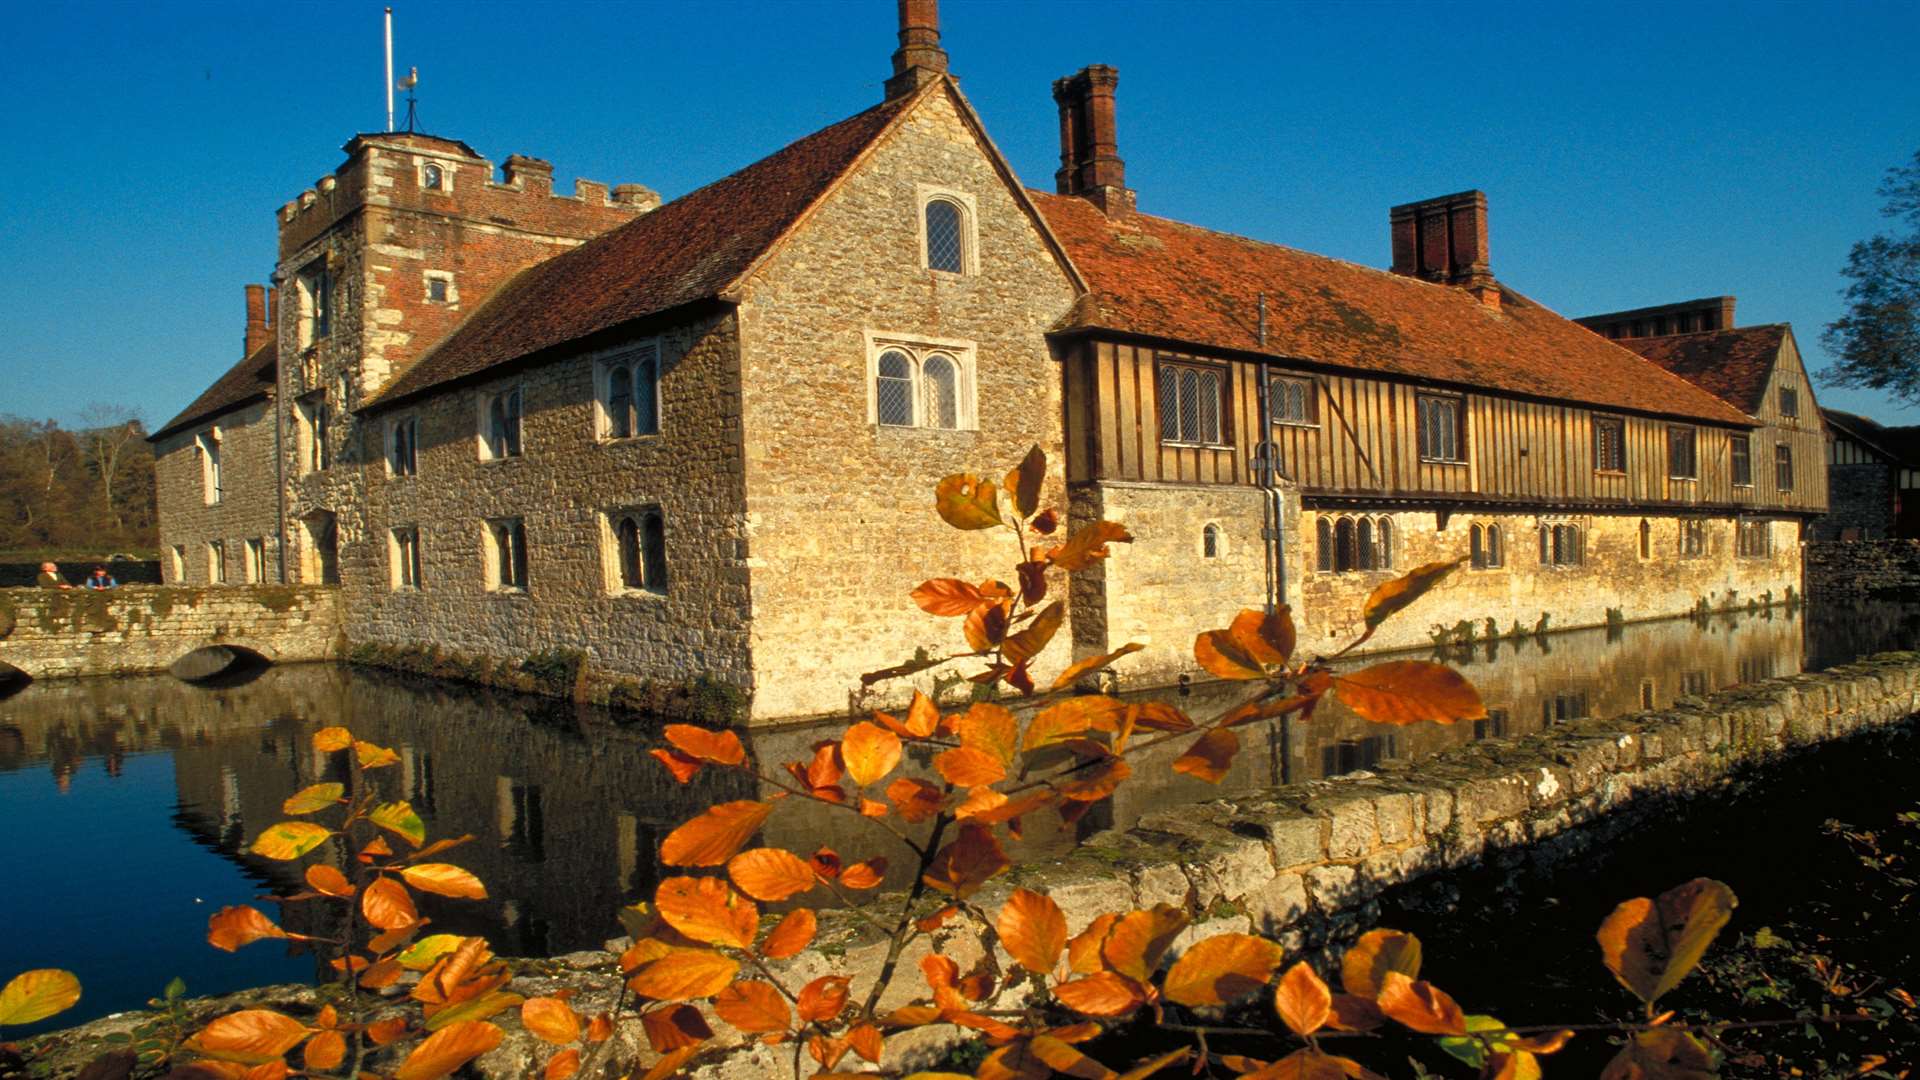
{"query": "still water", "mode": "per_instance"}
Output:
(129, 802)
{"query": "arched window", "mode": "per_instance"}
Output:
(1476, 552)
(619, 402)
(1210, 541)
(1561, 545)
(1646, 538)
(942, 381)
(945, 237)
(1383, 540)
(640, 549)
(646, 394)
(653, 551)
(1486, 547)
(1345, 556)
(893, 389)
(1365, 544)
(432, 177)
(1323, 532)
(1496, 547)
(627, 533)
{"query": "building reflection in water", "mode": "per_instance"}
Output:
(567, 807)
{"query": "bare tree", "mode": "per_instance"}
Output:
(110, 428)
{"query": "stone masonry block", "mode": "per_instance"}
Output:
(1352, 826)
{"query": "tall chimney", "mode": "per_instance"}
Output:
(919, 60)
(257, 327)
(1090, 164)
(1445, 240)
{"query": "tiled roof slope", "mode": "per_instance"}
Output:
(1164, 279)
(1733, 365)
(245, 382)
(1902, 444)
(690, 249)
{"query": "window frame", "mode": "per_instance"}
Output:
(1354, 543)
(484, 436)
(406, 559)
(1693, 542)
(628, 357)
(969, 212)
(1782, 467)
(1789, 402)
(451, 294)
(1618, 426)
(1486, 546)
(508, 568)
(918, 350)
(397, 467)
(447, 170)
(316, 422)
(253, 559)
(1213, 541)
(1221, 374)
(1745, 531)
(649, 521)
(179, 552)
(216, 562)
(314, 312)
(212, 480)
(1458, 404)
(1309, 400)
(1692, 434)
(1562, 543)
(1740, 452)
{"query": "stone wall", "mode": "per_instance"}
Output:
(48, 633)
(249, 504)
(1859, 503)
(562, 487)
(840, 508)
(1881, 569)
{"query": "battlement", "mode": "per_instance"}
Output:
(409, 172)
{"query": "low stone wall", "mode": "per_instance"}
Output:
(48, 633)
(1880, 569)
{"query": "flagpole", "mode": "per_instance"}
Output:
(389, 69)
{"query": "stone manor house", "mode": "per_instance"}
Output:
(701, 436)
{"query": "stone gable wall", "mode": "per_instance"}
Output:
(249, 506)
(1860, 498)
(48, 633)
(840, 510)
(1888, 569)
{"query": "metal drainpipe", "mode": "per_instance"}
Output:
(1267, 468)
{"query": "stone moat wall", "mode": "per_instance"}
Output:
(49, 633)
(1879, 569)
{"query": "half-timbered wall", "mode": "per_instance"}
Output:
(1362, 440)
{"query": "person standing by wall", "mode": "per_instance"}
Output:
(50, 577)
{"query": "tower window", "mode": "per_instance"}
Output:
(433, 177)
(500, 425)
(630, 393)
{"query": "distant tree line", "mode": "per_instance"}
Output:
(87, 490)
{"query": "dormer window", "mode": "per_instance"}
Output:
(432, 177)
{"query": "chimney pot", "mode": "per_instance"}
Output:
(1445, 240)
(1090, 163)
(919, 60)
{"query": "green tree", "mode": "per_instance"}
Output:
(1877, 341)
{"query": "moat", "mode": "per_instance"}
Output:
(131, 801)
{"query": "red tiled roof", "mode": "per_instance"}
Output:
(1732, 365)
(245, 382)
(1163, 279)
(690, 249)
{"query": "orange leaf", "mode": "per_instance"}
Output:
(794, 933)
(869, 751)
(948, 597)
(1033, 930)
(329, 739)
(1310, 1064)
(707, 910)
(1421, 1006)
(1065, 1060)
(1363, 971)
(250, 1036)
(325, 879)
(713, 747)
(1103, 993)
(444, 879)
(967, 863)
(1352, 1013)
(449, 1048)
(1140, 938)
(1084, 949)
(387, 905)
(1210, 755)
(562, 1065)
(1072, 717)
(385, 1031)
(675, 1028)
(715, 836)
(1302, 1000)
(864, 875)
(1029, 642)
(753, 1007)
(867, 1041)
(1023, 483)
(312, 799)
(601, 1029)
(233, 927)
(1393, 596)
(680, 765)
(1650, 945)
(771, 874)
(965, 501)
(1221, 968)
(381, 974)
(916, 799)
(1092, 663)
(324, 1051)
(1409, 691)
(551, 1019)
(1090, 543)
(990, 729)
(823, 998)
(1663, 1053)
(967, 766)
(986, 626)
(372, 756)
(684, 974)
(1033, 581)
(1223, 658)
(1267, 639)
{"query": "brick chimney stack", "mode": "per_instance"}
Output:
(257, 325)
(1090, 164)
(529, 174)
(919, 60)
(1445, 240)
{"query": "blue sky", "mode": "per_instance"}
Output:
(1632, 154)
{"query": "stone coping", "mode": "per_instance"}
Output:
(1301, 863)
